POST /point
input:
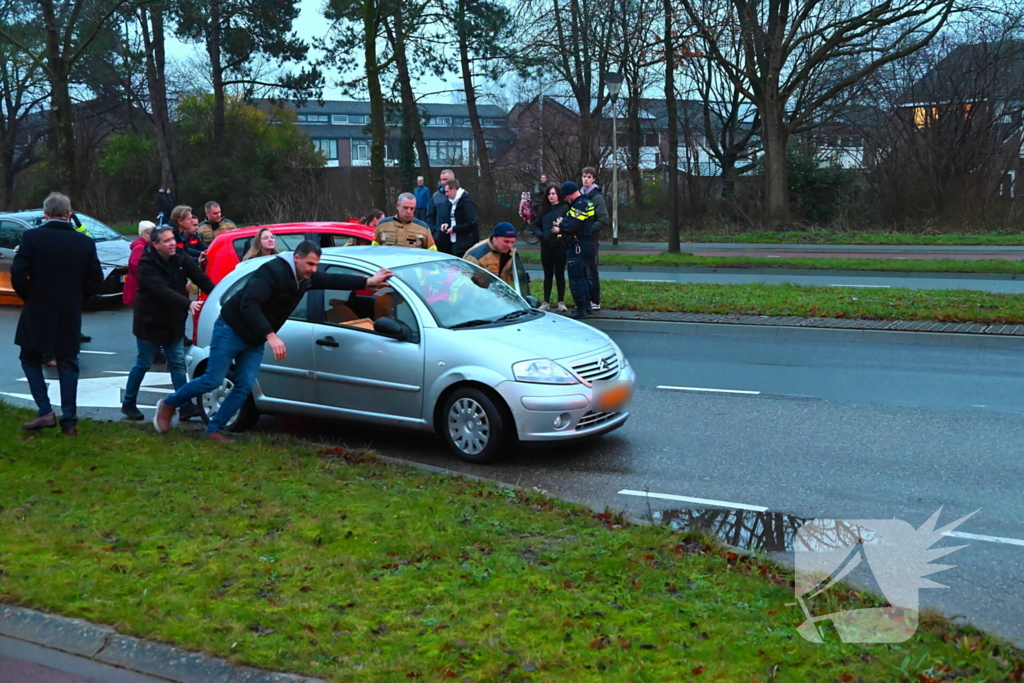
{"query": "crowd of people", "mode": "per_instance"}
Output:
(56, 270)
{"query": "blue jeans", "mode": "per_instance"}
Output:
(67, 371)
(147, 352)
(226, 348)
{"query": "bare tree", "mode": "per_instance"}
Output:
(786, 44)
(151, 25)
(22, 93)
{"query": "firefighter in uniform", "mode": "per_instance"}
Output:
(403, 229)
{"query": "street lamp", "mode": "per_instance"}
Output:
(614, 83)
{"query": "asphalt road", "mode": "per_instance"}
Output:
(838, 430)
(812, 250)
(1002, 284)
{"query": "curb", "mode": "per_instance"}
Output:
(103, 644)
(809, 272)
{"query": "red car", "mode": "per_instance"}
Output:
(229, 247)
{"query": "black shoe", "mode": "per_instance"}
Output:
(188, 411)
(131, 411)
(579, 313)
(84, 338)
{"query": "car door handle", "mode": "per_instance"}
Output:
(329, 342)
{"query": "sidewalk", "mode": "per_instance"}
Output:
(810, 250)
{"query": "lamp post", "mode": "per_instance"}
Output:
(614, 83)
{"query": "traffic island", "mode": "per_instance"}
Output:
(332, 564)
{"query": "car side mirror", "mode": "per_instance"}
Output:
(390, 327)
(532, 300)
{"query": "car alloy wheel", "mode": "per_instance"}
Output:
(213, 400)
(468, 426)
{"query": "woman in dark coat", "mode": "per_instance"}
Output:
(54, 271)
(552, 246)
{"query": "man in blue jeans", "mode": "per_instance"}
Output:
(248, 322)
(162, 305)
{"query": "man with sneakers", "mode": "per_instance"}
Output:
(162, 305)
(591, 191)
(248, 322)
(576, 225)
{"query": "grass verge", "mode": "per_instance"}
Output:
(657, 231)
(994, 266)
(276, 555)
(959, 305)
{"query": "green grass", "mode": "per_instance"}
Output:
(958, 305)
(126, 228)
(996, 238)
(276, 555)
(665, 260)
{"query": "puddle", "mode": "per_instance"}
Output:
(769, 531)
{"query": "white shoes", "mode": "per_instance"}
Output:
(562, 308)
(595, 307)
(545, 306)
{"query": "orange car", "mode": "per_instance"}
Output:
(227, 249)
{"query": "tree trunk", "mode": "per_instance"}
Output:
(672, 157)
(155, 78)
(378, 174)
(410, 110)
(486, 198)
(60, 103)
(635, 142)
(776, 137)
(213, 48)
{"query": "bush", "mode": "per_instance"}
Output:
(820, 192)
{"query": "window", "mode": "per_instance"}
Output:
(360, 150)
(442, 121)
(329, 148)
(358, 309)
(338, 119)
(10, 234)
(650, 140)
(490, 123)
(284, 243)
(925, 116)
(313, 118)
(333, 239)
(448, 152)
(467, 122)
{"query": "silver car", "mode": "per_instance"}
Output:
(447, 348)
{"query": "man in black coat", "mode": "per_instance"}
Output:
(54, 271)
(162, 305)
(462, 223)
(248, 322)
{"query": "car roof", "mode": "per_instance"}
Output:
(387, 257)
(286, 228)
(24, 215)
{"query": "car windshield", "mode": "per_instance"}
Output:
(459, 294)
(98, 231)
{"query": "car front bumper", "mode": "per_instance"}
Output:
(537, 407)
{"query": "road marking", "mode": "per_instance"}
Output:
(713, 391)
(698, 501)
(101, 392)
(627, 280)
(990, 539)
(101, 353)
(865, 286)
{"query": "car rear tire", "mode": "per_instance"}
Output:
(473, 426)
(211, 401)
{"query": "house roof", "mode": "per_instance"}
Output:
(976, 71)
(488, 111)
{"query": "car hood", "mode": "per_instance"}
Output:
(113, 252)
(549, 336)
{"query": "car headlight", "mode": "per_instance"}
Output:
(542, 371)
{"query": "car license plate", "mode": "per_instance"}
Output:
(611, 395)
(121, 278)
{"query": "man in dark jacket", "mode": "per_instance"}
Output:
(54, 271)
(460, 229)
(161, 307)
(591, 191)
(248, 322)
(439, 211)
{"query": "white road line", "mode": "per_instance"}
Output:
(990, 539)
(698, 501)
(713, 391)
(628, 280)
(864, 286)
(101, 353)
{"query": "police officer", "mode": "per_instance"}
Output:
(403, 229)
(577, 225)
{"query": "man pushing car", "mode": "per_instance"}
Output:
(248, 322)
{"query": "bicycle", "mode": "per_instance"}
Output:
(526, 234)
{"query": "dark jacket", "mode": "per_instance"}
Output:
(601, 218)
(161, 302)
(165, 202)
(54, 271)
(578, 222)
(438, 212)
(264, 303)
(542, 227)
(466, 226)
(193, 244)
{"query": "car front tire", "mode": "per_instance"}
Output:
(473, 426)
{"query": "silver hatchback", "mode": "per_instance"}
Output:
(446, 348)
